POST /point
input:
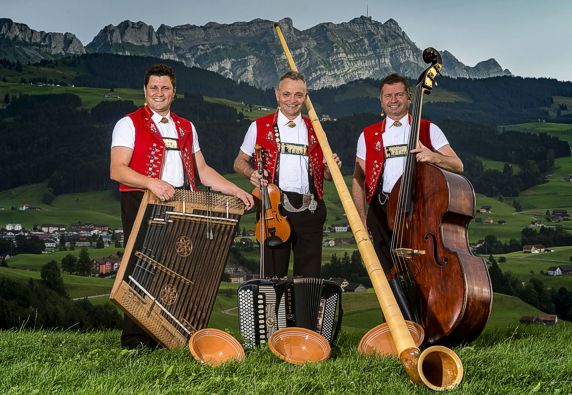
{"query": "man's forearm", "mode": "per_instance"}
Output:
(243, 168)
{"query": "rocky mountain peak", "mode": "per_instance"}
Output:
(329, 54)
(20, 43)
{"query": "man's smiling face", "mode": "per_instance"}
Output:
(159, 94)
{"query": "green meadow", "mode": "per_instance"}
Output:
(90, 97)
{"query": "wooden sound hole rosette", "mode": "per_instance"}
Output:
(299, 345)
(168, 295)
(184, 246)
(379, 342)
(214, 347)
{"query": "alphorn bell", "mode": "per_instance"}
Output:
(437, 367)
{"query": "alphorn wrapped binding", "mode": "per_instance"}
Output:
(173, 262)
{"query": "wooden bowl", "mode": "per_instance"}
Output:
(378, 340)
(299, 345)
(213, 347)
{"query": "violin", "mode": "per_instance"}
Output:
(272, 228)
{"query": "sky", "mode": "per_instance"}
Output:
(528, 37)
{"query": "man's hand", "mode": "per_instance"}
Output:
(256, 178)
(424, 154)
(163, 190)
(246, 198)
(327, 174)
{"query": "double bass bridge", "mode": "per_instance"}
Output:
(407, 253)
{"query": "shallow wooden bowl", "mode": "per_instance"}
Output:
(378, 340)
(213, 347)
(299, 345)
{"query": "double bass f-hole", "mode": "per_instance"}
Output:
(272, 228)
(438, 261)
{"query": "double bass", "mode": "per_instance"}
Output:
(437, 367)
(429, 211)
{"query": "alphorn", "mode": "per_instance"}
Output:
(437, 367)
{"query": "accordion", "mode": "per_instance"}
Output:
(173, 263)
(264, 306)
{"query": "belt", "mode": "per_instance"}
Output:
(382, 198)
(308, 203)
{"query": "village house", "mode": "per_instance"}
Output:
(542, 319)
(51, 245)
(341, 228)
(14, 227)
(354, 287)
(342, 282)
(554, 271)
(533, 249)
(107, 266)
(329, 243)
(536, 223)
(344, 240)
(485, 209)
(52, 228)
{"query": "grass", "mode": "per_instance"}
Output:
(518, 360)
(89, 207)
(90, 97)
(527, 266)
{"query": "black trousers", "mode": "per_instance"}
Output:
(376, 222)
(378, 227)
(305, 241)
(133, 335)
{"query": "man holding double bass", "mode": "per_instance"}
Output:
(380, 160)
(293, 160)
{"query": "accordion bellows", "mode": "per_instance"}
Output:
(265, 306)
(172, 266)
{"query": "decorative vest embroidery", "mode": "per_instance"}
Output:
(375, 153)
(149, 150)
(265, 137)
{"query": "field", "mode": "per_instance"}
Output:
(90, 97)
(517, 360)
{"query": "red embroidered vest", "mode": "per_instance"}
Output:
(266, 139)
(149, 149)
(375, 153)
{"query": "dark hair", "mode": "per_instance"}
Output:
(161, 70)
(293, 75)
(394, 79)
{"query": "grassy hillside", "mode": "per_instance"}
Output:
(90, 97)
(520, 360)
(93, 207)
(527, 266)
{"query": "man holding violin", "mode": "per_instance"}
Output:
(293, 160)
(380, 160)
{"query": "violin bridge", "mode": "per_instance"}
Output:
(407, 253)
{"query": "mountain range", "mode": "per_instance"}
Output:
(329, 54)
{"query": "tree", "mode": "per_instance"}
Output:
(84, 262)
(48, 196)
(69, 263)
(53, 278)
(99, 243)
(517, 206)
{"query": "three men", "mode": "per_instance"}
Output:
(294, 161)
(154, 149)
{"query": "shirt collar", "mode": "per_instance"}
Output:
(404, 121)
(283, 120)
(157, 118)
